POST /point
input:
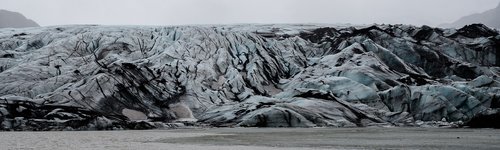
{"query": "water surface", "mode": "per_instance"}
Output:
(258, 138)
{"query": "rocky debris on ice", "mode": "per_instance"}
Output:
(252, 75)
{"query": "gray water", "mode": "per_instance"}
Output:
(257, 138)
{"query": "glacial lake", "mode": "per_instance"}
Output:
(256, 138)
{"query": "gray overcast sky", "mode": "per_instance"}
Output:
(175, 12)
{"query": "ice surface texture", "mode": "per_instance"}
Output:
(257, 75)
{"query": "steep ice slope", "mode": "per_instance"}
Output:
(255, 75)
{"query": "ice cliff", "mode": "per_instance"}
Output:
(249, 75)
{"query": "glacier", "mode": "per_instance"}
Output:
(139, 77)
